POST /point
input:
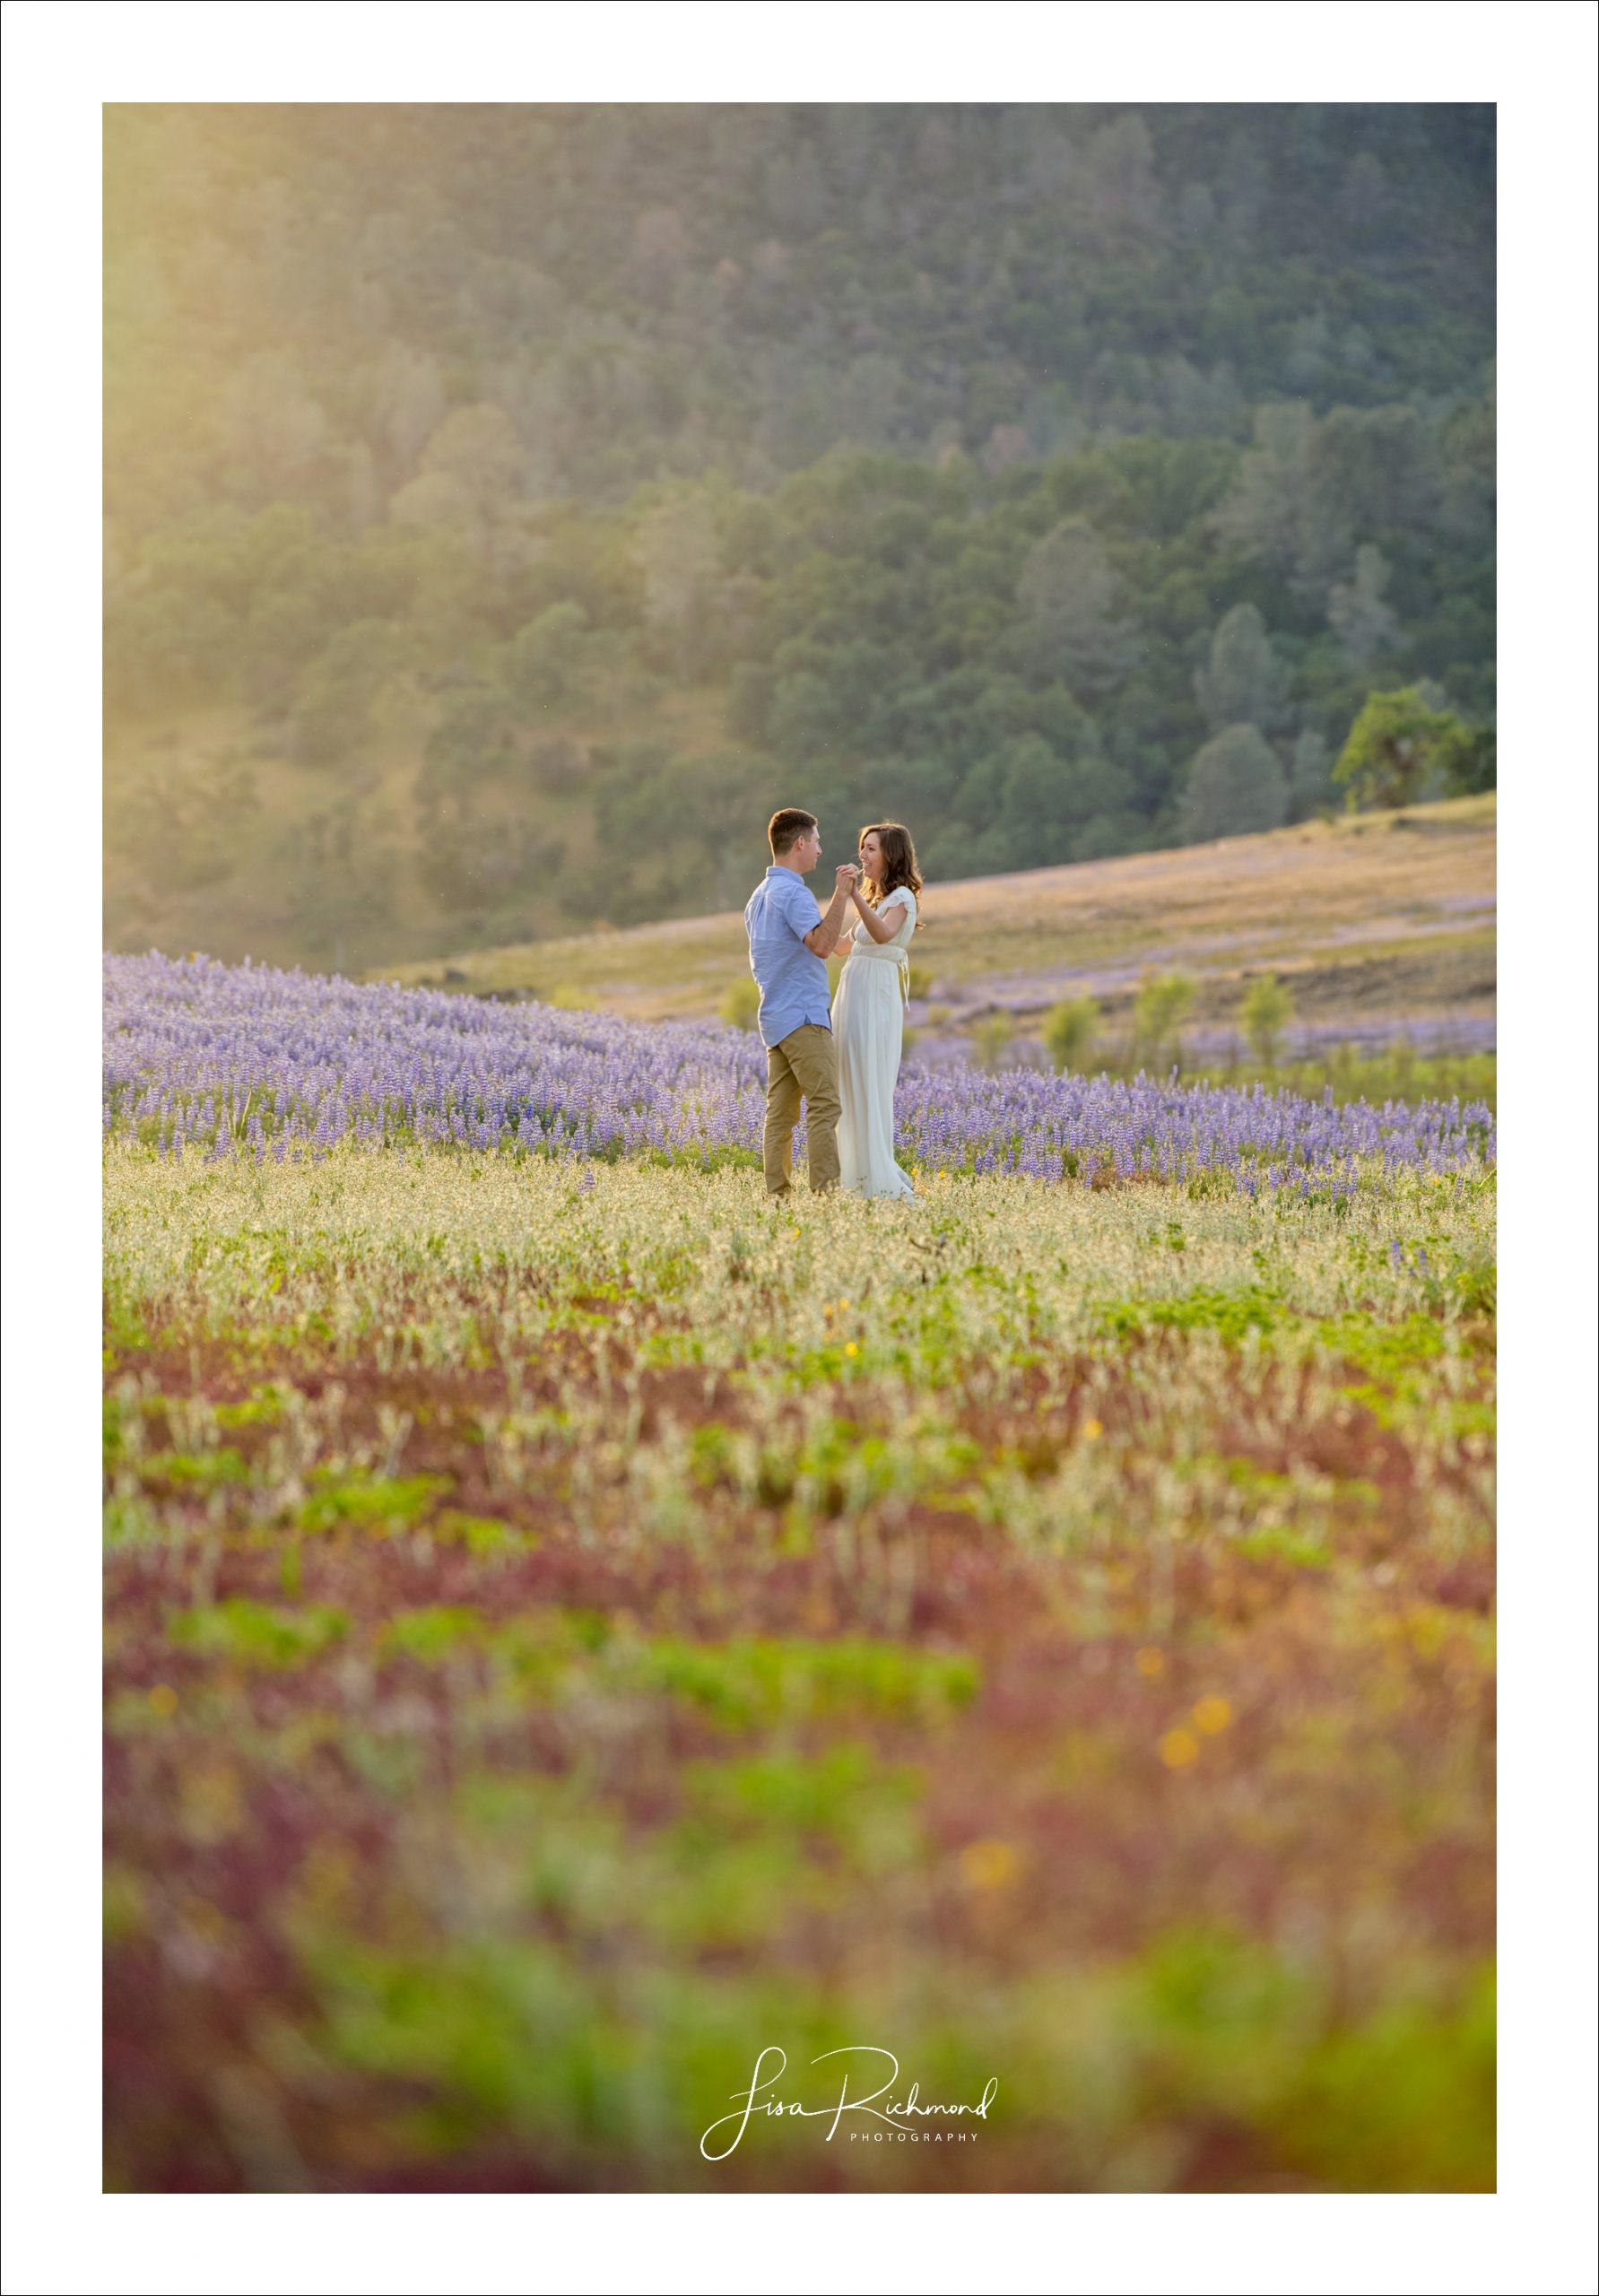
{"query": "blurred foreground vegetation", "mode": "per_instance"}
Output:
(563, 1636)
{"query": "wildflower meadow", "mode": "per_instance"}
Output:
(572, 1626)
(251, 1057)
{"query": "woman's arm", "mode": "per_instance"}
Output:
(880, 926)
(822, 938)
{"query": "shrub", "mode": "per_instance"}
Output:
(1162, 1006)
(990, 1037)
(1267, 1010)
(742, 1005)
(1069, 1030)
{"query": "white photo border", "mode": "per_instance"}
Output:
(65, 59)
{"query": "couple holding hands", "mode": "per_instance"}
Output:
(841, 1060)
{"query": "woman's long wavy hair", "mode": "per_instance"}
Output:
(898, 863)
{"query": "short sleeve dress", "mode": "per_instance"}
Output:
(869, 1032)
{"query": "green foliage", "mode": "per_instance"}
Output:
(433, 1634)
(1397, 2103)
(1245, 681)
(1236, 784)
(333, 711)
(478, 1534)
(1068, 591)
(373, 1501)
(187, 824)
(751, 1680)
(262, 1407)
(201, 1471)
(741, 1004)
(1069, 1030)
(1264, 1011)
(833, 1796)
(1277, 1545)
(1400, 751)
(1472, 765)
(1233, 1315)
(254, 1634)
(1159, 1010)
(1353, 1074)
(556, 663)
(991, 1037)
(1358, 611)
(584, 449)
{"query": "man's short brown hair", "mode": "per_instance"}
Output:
(786, 825)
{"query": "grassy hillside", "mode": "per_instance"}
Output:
(217, 837)
(1367, 918)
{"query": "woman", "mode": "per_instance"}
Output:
(868, 1010)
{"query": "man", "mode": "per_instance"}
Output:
(790, 941)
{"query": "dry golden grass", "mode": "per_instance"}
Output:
(1363, 915)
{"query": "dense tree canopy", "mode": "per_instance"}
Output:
(541, 493)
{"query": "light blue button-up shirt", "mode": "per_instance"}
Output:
(792, 979)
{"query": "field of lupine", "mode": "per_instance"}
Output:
(229, 1058)
(571, 1626)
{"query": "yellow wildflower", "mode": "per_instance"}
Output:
(1178, 1748)
(989, 1865)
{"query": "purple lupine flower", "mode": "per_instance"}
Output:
(252, 1059)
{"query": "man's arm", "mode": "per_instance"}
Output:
(822, 938)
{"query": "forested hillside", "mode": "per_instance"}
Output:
(506, 506)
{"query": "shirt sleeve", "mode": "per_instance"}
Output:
(800, 909)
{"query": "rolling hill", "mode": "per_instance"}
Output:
(1371, 918)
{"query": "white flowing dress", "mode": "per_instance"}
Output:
(868, 1034)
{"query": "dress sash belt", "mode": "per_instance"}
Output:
(882, 953)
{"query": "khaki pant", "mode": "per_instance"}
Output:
(803, 1066)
